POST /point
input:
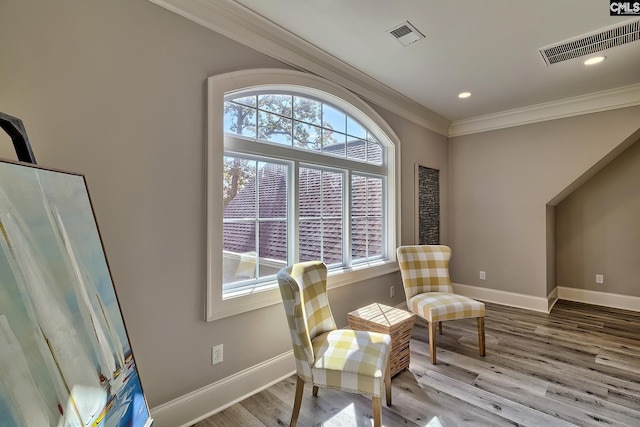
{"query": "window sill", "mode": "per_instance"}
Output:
(268, 294)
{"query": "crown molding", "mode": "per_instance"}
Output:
(626, 96)
(244, 26)
(250, 29)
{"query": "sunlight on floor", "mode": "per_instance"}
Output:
(350, 417)
(435, 422)
(346, 417)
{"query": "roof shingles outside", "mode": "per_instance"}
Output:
(320, 223)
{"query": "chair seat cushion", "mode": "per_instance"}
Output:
(438, 306)
(351, 360)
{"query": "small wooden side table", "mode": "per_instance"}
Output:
(389, 320)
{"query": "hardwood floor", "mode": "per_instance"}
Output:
(578, 365)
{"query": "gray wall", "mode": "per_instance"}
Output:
(598, 229)
(116, 90)
(425, 147)
(500, 184)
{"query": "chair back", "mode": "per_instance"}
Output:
(303, 287)
(424, 268)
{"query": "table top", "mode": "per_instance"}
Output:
(382, 314)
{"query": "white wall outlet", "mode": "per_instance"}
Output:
(216, 354)
(392, 291)
(599, 279)
(483, 275)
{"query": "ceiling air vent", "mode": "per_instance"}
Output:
(406, 33)
(592, 42)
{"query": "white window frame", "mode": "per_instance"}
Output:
(218, 86)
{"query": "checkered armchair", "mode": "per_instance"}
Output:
(343, 359)
(425, 277)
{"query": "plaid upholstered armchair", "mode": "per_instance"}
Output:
(425, 278)
(348, 360)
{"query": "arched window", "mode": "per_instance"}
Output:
(299, 169)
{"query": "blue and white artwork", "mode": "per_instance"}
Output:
(65, 358)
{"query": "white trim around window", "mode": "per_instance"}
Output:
(218, 86)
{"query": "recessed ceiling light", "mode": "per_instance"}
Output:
(595, 60)
(463, 95)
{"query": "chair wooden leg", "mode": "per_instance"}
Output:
(377, 411)
(315, 391)
(297, 402)
(432, 341)
(387, 382)
(481, 335)
(440, 326)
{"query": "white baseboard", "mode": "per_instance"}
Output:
(624, 302)
(200, 404)
(552, 298)
(503, 297)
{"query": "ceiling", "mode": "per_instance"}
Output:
(489, 48)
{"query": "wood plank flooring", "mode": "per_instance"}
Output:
(577, 366)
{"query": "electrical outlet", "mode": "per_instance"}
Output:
(216, 354)
(392, 291)
(599, 279)
(483, 275)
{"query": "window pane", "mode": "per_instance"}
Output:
(333, 143)
(366, 218)
(239, 258)
(272, 247)
(374, 197)
(239, 237)
(332, 241)
(249, 101)
(366, 237)
(321, 240)
(357, 149)
(374, 237)
(307, 136)
(334, 119)
(239, 120)
(259, 198)
(307, 110)
(274, 128)
(321, 210)
(374, 151)
(272, 190)
(272, 196)
(309, 182)
(358, 196)
(355, 129)
(239, 190)
(280, 104)
(310, 239)
(270, 267)
(239, 255)
(358, 238)
(331, 194)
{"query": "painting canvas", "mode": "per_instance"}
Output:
(65, 358)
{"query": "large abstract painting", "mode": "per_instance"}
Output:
(65, 358)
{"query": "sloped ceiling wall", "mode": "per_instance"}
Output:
(598, 232)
